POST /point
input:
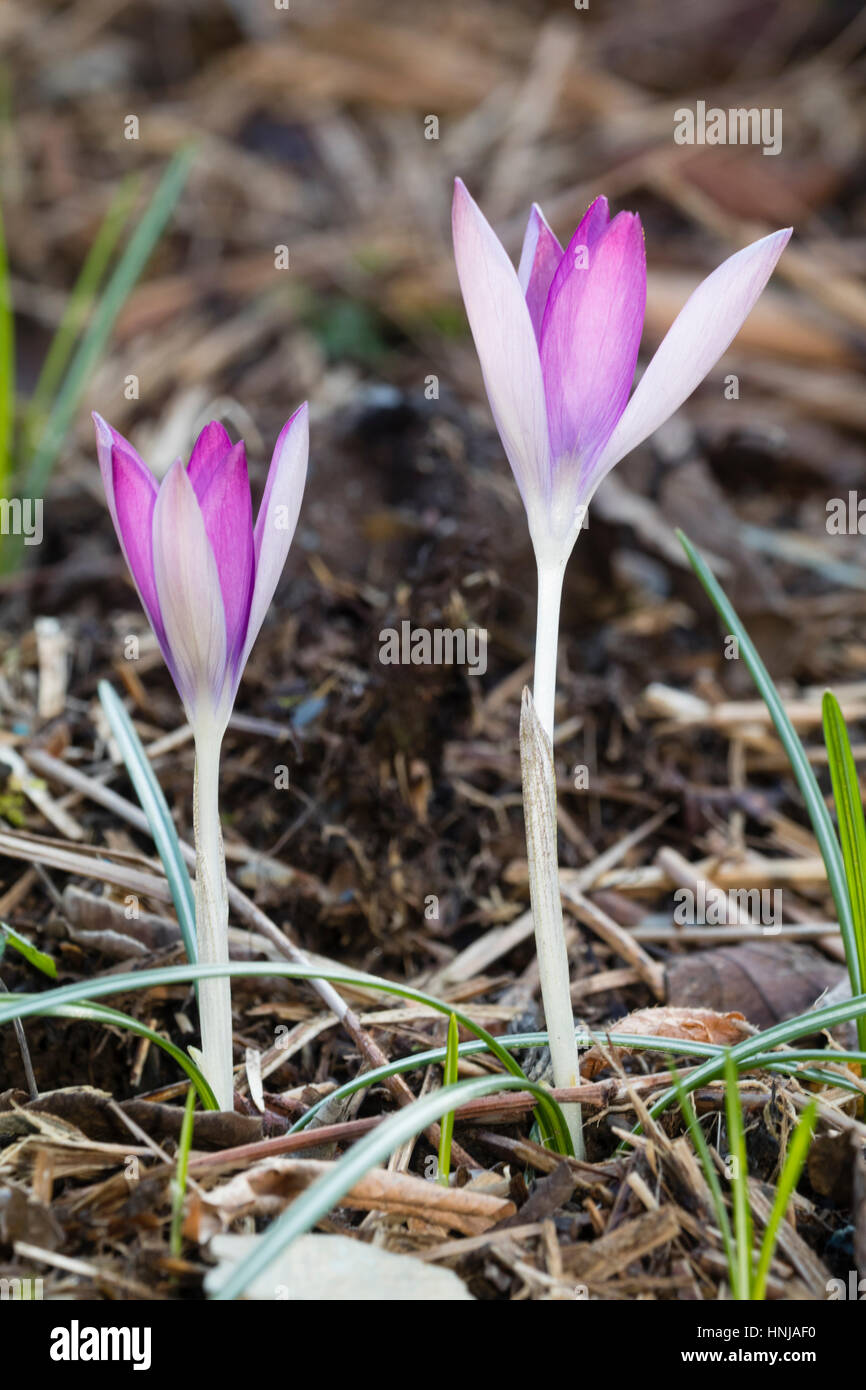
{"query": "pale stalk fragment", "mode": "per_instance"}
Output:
(212, 917)
(539, 807)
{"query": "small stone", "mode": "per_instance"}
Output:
(329, 1268)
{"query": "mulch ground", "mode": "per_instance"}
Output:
(397, 846)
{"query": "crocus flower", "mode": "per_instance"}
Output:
(558, 342)
(205, 576)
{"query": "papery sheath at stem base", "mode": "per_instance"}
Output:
(211, 918)
(539, 808)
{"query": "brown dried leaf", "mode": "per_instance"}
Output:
(267, 1187)
(101, 924)
(92, 1112)
(692, 1025)
(769, 980)
(24, 1218)
(547, 1196)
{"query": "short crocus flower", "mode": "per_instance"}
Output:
(205, 576)
(558, 340)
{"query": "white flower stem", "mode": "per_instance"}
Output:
(550, 577)
(539, 801)
(212, 916)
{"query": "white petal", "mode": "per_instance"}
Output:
(278, 517)
(190, 598)
(507, 350)
(701, 332)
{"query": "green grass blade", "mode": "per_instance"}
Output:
(88, 1012)
(178, 1193)
(7, 368)
(25, 1006)
(702, 1149)
(798, 1148)
(822, 823)
(155, 807)
(781, 1063)
(132, 262)
(318, 1199)
(38, 959)
(852, 831)
(745, 1052)
(828, 1016)
(743, 1261)
(449, 1078)
(78, 307)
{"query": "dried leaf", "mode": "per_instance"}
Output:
(267, 1187)
(692, 1025)
(770, 981)
(23, 1218)
(93, 1113)
(547, 1196)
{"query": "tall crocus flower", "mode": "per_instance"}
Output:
(205, 576)
(558, 340)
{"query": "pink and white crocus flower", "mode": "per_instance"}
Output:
(205, 576)
(558, 341)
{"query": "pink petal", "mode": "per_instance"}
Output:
(505, 342)
(211, 447)
(222, 487)
(586, 236)
(277, 518)
(190, 600)
(701, 332)
(591, 334)
(130, 491)
(539, 262)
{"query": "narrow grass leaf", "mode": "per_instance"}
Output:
(32, 1005)
(449, 1078)
(795, 1158)
(89, 1012)
(784, 1064)
(813, 1021)
(178, 1192)
(38, 959)
(7, 367)
(745, 1054)
(852, 831)
(739, 1174)
(822, 823)
(155, 807)
(134, 258)
(78, 306)
(710, 1173)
